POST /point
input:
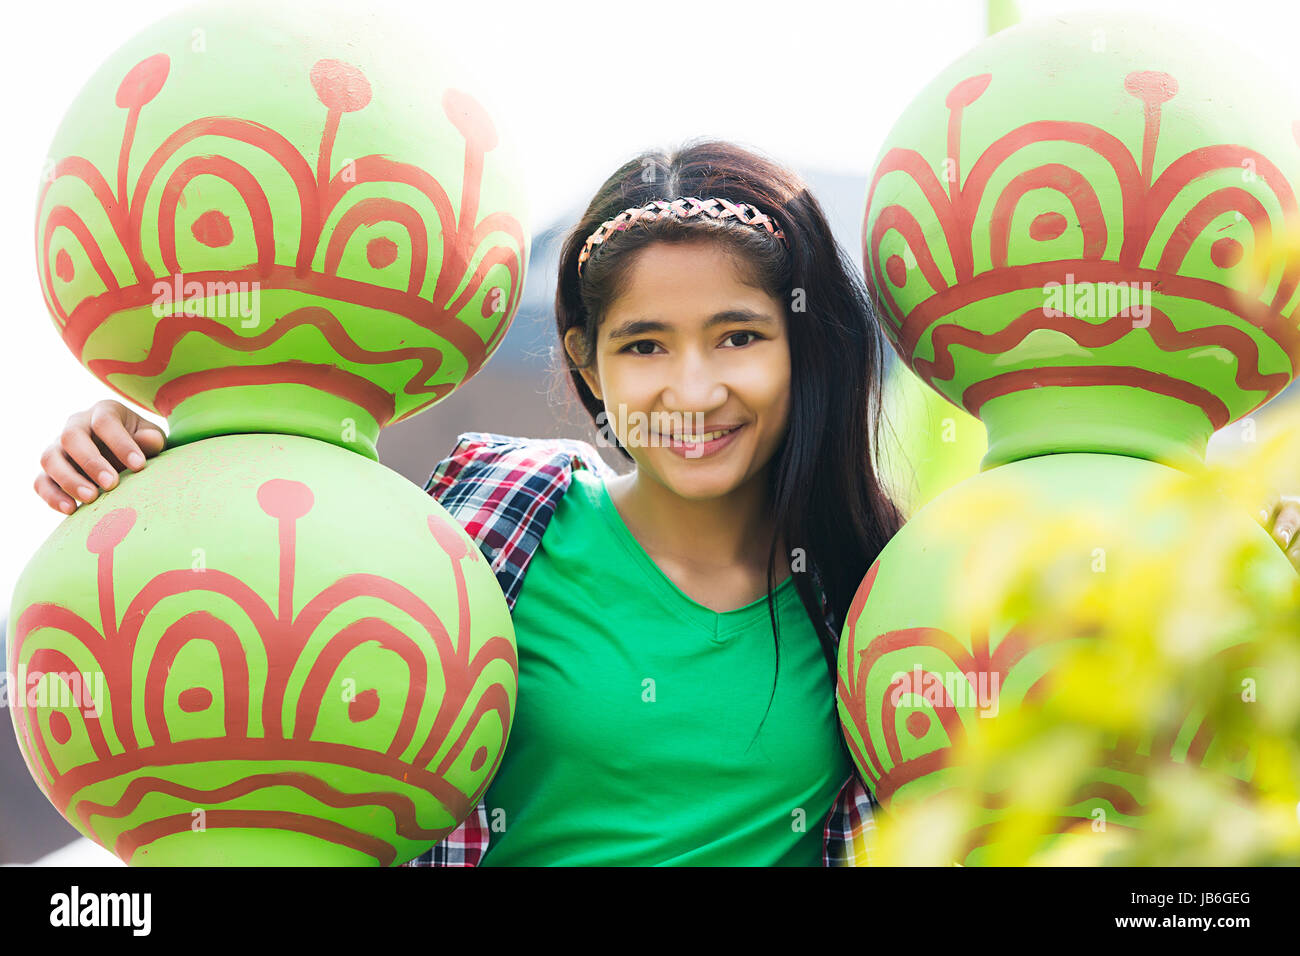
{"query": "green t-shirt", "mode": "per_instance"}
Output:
(636, 710)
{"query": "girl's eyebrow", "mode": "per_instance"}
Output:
(634, 327)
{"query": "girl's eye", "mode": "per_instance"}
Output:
(732, 338)
(636, 347)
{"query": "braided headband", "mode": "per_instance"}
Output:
(682, 208)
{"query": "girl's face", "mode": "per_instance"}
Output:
(693, 367)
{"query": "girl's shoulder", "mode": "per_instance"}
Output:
(483, 459)
(503, 491)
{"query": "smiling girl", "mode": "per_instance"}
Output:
(679, 623)
(677, 626)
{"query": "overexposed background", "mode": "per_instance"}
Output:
(579, 86)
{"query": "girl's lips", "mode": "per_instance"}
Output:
(700, 449)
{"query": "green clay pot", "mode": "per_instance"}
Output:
(1085, 232)
(909, 633)
(281, 218)
(262, 650)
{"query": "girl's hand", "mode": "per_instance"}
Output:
(1282, 519)
(95, 445)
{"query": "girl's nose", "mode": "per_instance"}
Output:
(694, 389)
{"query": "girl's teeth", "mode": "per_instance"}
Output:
(707, 436)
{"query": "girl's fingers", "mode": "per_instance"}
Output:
(151, 439)
(53, 495)
(112, 434)
(66, 475)
(82, 451)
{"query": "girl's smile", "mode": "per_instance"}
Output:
(713, 440)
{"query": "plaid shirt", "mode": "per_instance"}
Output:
(503, 491)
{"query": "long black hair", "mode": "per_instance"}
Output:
(823, 488)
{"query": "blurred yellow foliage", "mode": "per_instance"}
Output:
(1141, 657)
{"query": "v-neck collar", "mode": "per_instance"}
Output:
(721, 626)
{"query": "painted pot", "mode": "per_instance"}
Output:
(262, 649)
(1085, 232)
(925, 669)
(281, 218)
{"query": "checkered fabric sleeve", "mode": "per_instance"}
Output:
(503, 492)
(850, 835)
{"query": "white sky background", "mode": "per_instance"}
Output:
(579, 85)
